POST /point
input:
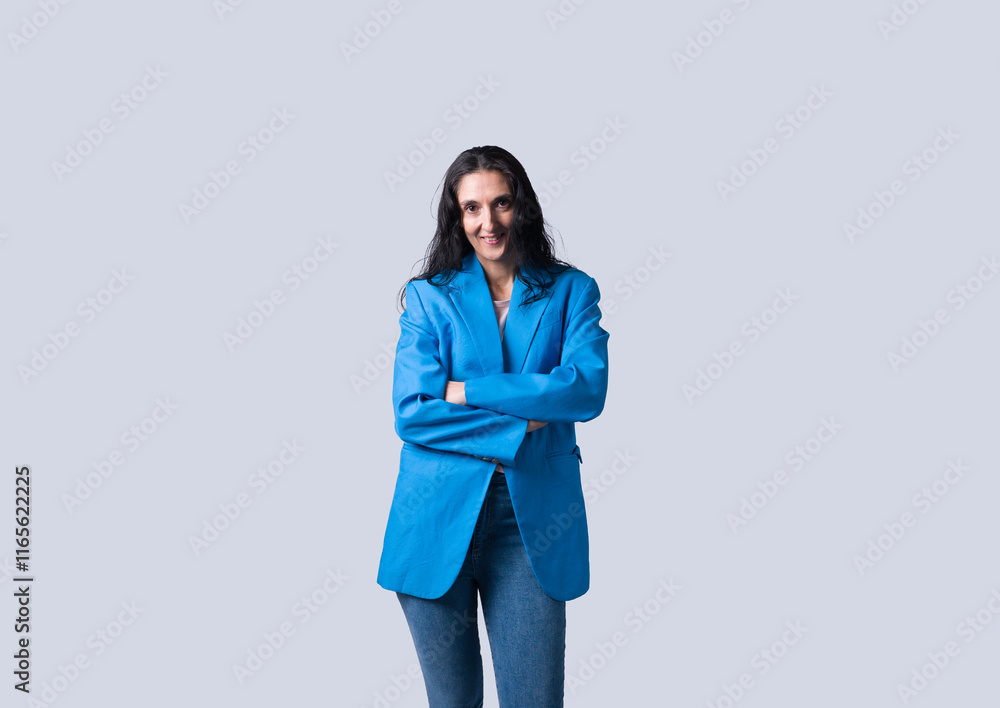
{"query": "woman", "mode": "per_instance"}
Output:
(500, 353)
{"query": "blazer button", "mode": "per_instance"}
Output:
(495, 460)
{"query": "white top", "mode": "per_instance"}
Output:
(500, 307)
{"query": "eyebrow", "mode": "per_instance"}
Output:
(467, 202)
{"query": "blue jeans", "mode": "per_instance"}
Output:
(526, 627)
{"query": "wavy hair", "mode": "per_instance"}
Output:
(528, 236)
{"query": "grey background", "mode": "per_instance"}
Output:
(664, 517)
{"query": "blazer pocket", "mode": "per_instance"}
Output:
(550, 318)
(422, 450)
(575, 452)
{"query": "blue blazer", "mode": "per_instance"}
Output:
(551, 366)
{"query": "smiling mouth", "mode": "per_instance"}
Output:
(492, 239)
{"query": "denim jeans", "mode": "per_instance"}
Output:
(526, 627)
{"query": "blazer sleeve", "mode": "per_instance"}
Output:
(574, 391)
(423, 417)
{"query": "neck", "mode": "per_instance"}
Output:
(499, 276)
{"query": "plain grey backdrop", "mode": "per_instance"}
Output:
(208, 210)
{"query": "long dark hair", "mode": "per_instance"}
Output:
(529, 237)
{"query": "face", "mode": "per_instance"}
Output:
(487, 211)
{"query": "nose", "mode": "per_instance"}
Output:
(488, 220)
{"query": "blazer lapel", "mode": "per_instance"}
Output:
(475, 304)
(520, 327)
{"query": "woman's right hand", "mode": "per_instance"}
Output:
(535, 425)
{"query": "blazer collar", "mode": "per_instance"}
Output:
(475, 304)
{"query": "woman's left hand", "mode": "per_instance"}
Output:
(454, 392)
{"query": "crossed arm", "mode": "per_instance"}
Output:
(455, 393)
(490, 415)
